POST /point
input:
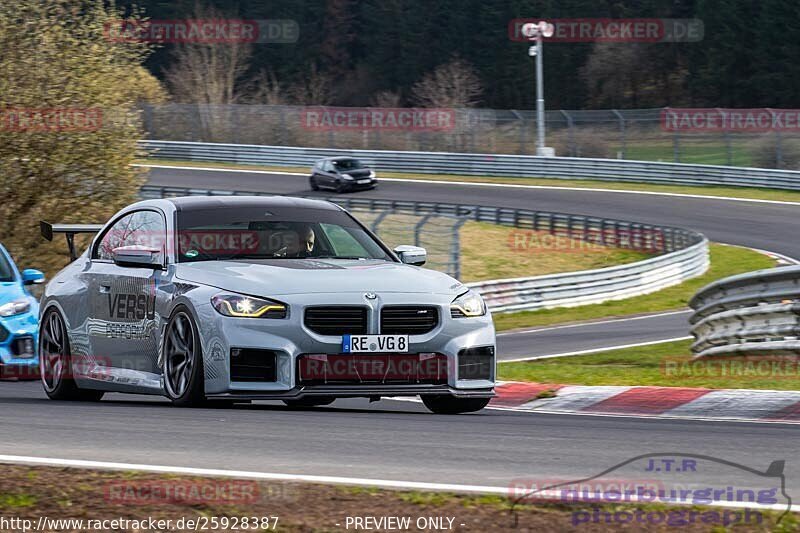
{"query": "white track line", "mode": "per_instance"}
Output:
(241, 474)
(498, 185)
(593, 323)
(245, 474)
(593, 350)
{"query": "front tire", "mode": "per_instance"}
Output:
(184, 378)
(55, 362)
(450, 405)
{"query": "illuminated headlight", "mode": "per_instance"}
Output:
(371, 173)
(17, 307)
(468, 304)
(238, 305)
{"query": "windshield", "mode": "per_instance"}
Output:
(226, 234)
(6, 270)
(348, 164)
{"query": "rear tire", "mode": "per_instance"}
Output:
(450, 405)
(55, 362)
(309, 401)
(313, 182)
(184, 378)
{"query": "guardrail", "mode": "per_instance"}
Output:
(757, 313)
(483, 164)
(684, 253)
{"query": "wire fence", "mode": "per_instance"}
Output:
(635, 134)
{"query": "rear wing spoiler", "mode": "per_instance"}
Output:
(48, 230)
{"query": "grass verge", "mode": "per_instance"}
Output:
(732, 192)
(725, 261)
(489, 251)
(666, 364)
(134, 499)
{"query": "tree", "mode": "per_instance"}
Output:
(454, 84)
(208, 73)
(68, 125)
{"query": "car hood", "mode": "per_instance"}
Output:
(302, 276)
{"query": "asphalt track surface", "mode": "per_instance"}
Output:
(397, 440)
(389, 440)
(603, 334)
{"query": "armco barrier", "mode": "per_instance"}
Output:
(483, 164)
(684, 253)
(753, 314)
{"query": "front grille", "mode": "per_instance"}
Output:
(408, 319)
(3, 334)
(252, 365)
(337, 320)
(476, 363)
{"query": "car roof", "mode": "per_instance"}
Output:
(191, 203)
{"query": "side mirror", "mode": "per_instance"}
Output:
(411, 255)
(138, 257)
(31, 276)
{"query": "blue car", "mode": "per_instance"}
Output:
(19, 312)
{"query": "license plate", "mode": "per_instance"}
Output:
(374, 343)
(362, 181)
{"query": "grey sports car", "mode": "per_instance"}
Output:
(258, 298)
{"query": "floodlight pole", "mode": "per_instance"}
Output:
(539, 97)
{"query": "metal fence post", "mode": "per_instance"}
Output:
(455, 248)
(570, 133)
(418, 228)
(622, 136)
(377, 221)
(676, 147)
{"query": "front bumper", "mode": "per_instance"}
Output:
(354, 185)
(357, 391)
(18, 342)
(289, 339)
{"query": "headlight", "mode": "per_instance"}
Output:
(17, 307)
(371, 173)
(468, 304)
(238, 305)
(348, 177)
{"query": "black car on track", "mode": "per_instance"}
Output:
(341, 174)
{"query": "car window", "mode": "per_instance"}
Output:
(6, 271)
(328, 167)
(254, 234)
(343, 242)
(143, 228)
(348, 164)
